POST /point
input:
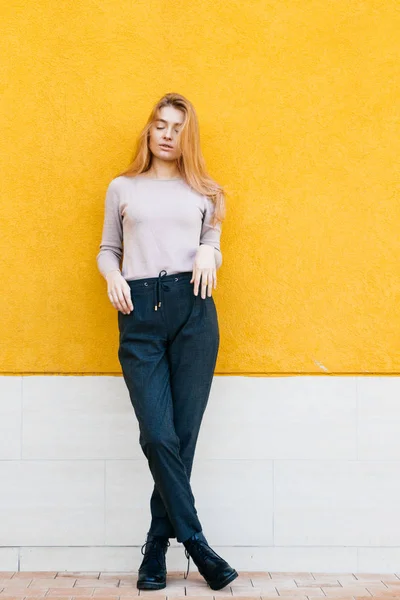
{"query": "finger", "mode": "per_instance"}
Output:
(215, 278)
(197, 281)
(210, 282)
(194, 270)
(113, 296)
(119, 307)
(122, 302)
(110, 297)
(127, 294)
(204, 283)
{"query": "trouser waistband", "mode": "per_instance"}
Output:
(164, 281)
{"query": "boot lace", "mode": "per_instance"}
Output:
(188, 557)
(152, 548)
(202, 548)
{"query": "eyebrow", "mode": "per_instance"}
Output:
(164, 121)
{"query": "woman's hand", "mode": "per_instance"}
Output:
(204, 268)
(119, 292)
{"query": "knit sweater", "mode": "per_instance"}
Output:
(154, 224)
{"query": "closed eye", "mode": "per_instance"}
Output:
(176, 130)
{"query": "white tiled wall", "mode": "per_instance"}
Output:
(290, 474)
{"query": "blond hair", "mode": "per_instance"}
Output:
(191, 163)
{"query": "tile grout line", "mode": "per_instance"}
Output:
(104, 504)
(357, 458)
(22, 417)
(20, 451)
(357, 420)
(273, 503)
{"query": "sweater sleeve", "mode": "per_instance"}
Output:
(211, 236)
(111, 246)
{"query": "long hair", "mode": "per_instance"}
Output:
(191, 164)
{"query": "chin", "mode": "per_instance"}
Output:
(164, 157)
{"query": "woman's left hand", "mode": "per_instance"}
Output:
(204, 268)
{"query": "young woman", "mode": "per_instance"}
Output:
(163, 216)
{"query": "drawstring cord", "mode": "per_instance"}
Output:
(160, 284)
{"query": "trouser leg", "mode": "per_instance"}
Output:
(192, 354)
(145, 366)
(160, 521)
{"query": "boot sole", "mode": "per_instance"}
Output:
(218, 585)
(151, 585)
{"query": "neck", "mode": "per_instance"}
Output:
(163, 170)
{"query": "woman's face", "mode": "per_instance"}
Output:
(164, 133)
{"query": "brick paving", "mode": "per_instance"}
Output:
(264, 585)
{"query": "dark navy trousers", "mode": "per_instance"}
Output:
(168, 348)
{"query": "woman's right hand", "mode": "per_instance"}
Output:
(119, 292)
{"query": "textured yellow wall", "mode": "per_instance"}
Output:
(299, 111)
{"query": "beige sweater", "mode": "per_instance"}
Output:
(154, 224)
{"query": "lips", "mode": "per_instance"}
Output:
(165, 147)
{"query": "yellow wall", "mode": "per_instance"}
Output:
(299, 111)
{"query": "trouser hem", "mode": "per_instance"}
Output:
(186, 536)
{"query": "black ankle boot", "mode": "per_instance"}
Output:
(152, 574)
(215, 570)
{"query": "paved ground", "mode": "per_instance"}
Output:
(249, 585)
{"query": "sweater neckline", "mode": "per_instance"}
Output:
(158, 179)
